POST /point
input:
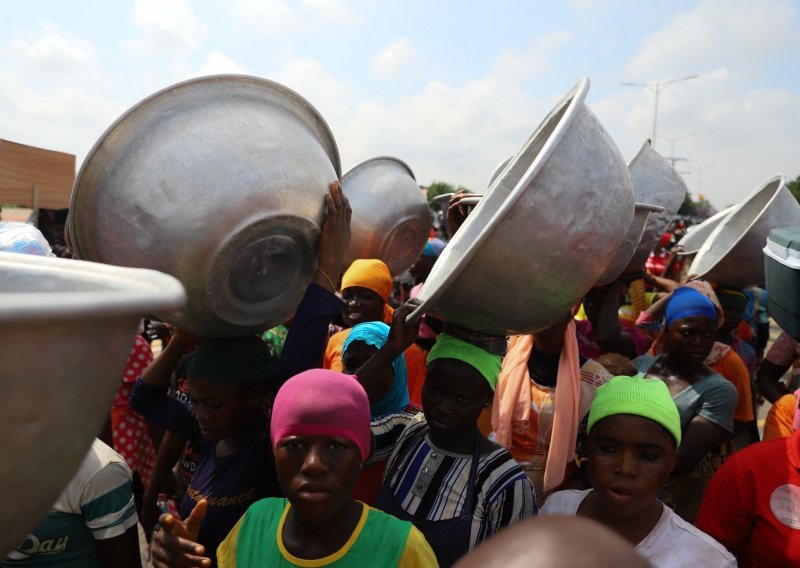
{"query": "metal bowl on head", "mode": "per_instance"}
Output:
(391, 219)
(622, 261)
(219, 181)
(498, 169)
(655, 181)
(66, 328)
(693, 240)
(732, 255)
(542, 234)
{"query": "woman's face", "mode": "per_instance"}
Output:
(317, 473)
(357, 354)
(630, 459)
(734, 313)
(454, 395)
(361, 305)
(223, 411)
(690, 339)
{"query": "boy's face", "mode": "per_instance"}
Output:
(317, 473)
(630, 460)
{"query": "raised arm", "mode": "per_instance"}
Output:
(607, 328)
(308, 332)
(371, 374)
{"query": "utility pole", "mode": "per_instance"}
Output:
(656, 87)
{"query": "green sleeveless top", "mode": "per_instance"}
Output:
(378, 539)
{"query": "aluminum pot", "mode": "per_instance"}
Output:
(622, 261)
(655, 181)
(542, 234)
(498, 170)
(732, 255)
(219, 181)
(693, 240)
(66, 328)
(391, 219)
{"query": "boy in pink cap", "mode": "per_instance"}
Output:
(320, 434)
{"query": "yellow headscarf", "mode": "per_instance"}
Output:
(372, 274)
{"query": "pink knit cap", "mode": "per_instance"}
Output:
(320, 402)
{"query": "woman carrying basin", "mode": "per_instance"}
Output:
(706, 400)
(443, 475)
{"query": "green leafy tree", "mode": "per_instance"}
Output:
(794, 187)
(688, 207)
(439, 188)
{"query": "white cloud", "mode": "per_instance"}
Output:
(216, 63)
(738, 31)
(269, 15)
(519, 65)
(285, 18)
(742, 128)
(333, 11)
(49, 50)
(66, 119)
(394, 59)
(53, 90)
(455, 133)
(329, 95)
(165, 25)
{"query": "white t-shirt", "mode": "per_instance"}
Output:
(96, 505)
(672, 543)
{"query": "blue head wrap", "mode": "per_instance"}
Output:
(433, 248)
(376, 333)
(687, 302)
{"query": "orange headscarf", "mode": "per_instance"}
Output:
(372, 274)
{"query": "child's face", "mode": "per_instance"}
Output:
(630, 460)
(317, 473)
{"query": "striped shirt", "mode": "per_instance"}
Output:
(431, 483)
(96, 505)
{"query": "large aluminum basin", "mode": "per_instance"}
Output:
(66, 329)
(546, 229)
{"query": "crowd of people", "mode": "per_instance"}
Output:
(353, 435)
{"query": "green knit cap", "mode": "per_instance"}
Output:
(233, 361)
(636, 395)
(449, 347)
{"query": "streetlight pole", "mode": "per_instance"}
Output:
(656, 87)
(672, 141)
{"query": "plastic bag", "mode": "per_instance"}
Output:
(23, 238)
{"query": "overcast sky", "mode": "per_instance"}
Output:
(452, 88)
